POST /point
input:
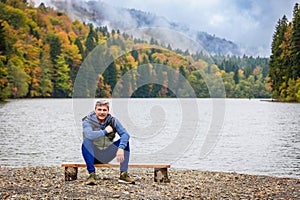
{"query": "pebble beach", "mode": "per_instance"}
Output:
(48, 183)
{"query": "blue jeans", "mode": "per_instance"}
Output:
(92, 155)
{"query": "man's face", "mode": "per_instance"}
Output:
(101, 112)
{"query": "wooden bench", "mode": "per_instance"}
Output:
(160, 170)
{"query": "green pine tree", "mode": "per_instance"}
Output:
(295, 68)
(277, 71)
(62, 86)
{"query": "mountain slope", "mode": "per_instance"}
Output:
(102, 14)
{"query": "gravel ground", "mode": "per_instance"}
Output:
(49, 183)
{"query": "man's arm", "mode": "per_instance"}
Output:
(93, 135)
(124, 135)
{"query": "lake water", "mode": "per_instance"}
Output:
(230, 135)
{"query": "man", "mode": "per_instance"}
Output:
(99, 131)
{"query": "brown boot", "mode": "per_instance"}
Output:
(91, 179)
(125, 178)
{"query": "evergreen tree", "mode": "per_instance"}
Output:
(91, 40)
(4, 84)
(55, 47)
(62, 87)
(236, 76)
(277, 71)
(181, 79)
(3, 45)
(80, 47)
(111, 75)
(295, 68)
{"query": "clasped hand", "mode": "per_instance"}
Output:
(109, 129)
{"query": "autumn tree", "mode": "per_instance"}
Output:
(18, 79)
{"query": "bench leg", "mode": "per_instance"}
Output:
(71, 173)
(161, 175)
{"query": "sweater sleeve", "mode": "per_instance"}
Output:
(124, 135)
(89, 133)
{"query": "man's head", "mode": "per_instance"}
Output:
(102, 109)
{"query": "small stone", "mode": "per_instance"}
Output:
(116, 187)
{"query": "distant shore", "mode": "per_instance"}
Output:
(48, 183)
(278, 101)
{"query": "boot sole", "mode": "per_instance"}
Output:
(122, 181)
(91, 183)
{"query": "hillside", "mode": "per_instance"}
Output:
(103, 14)
(43, 53)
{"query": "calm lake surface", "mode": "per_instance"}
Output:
(230, 135)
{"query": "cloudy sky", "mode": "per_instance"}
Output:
(245, 22)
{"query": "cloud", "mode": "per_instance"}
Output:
(248, 22)
(216, 20)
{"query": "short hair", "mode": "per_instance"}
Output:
(102, 103)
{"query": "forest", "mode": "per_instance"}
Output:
(284, 63)
(43, 53)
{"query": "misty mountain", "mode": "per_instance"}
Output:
(133, 21)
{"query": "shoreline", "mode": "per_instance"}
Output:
(47, 182)
(172, 168)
